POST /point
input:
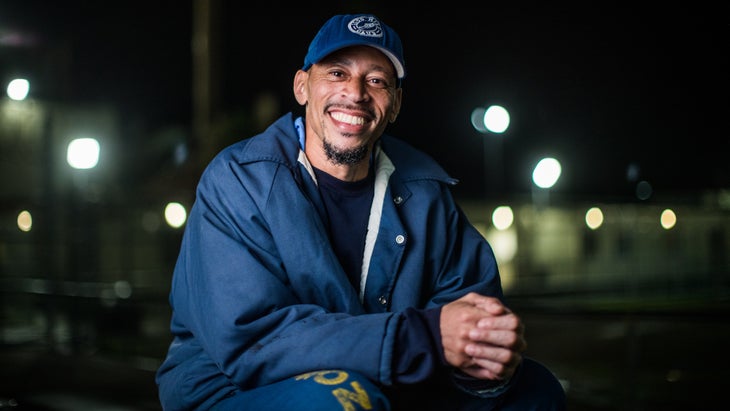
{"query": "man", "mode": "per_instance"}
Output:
(326, 266)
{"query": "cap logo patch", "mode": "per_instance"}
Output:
(366, 26)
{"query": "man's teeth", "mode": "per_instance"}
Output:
(346, 118)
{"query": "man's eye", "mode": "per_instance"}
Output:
(378, 82)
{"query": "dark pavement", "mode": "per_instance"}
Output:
(609, 357)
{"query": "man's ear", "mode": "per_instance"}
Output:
(300, 87)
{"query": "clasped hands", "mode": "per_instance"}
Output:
(482, 337)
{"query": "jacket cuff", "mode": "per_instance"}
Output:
(483, 388)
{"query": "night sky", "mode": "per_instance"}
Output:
(603, 89)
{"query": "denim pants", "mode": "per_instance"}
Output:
(341, 390)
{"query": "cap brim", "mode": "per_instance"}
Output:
(399, 69)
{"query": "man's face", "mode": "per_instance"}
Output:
(350, 97)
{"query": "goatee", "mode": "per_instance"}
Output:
(344, 157)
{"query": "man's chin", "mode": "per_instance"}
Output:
(345, 156)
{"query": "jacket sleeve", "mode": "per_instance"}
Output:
(257, 288)
(447, 258)
(468, 263)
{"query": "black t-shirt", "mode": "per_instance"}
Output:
(348, 207)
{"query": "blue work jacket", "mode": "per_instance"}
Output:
(258, 294)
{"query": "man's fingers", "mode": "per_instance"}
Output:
(505, 322)
(490, 304)
(491, 353)
(497, 370)
(507, 339)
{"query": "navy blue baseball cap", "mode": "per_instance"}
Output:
(352, 30)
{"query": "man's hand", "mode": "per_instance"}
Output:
(482, 337)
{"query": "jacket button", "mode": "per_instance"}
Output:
(382, 300)
(398, 199)
(400, 239)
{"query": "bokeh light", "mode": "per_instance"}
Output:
(18, 89)
(643, 190)
(83, 153)
(546, 173)
(175, 214)
(502, 217)
(496, 119)
(477, 119)
(594, 218)
(668, 219)
(25, 221)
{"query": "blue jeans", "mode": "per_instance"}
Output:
(342, 390)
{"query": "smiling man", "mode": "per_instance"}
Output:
(326, 265)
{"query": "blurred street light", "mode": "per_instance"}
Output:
(545, 175)
(175, 214)
(83, 153)
(594, 218)
(503, 217)
(18, 89)
(668, 219)
(25, 221)
(496, 119)
(493, 120)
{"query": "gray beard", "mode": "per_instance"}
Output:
(344, 157)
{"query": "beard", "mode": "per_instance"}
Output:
(348, 156)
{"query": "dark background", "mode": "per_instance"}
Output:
(618, 93)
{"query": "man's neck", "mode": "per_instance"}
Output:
(344, 172)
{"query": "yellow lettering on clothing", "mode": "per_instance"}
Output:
(327, 377)
(347, 398)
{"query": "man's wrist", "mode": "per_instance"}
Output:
(480, 387)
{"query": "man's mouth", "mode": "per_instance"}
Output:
(347, 118)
